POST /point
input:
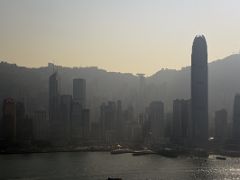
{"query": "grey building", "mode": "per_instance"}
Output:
(236, 118)
(199, 91)
(54, 108)
(221, 125)
(77, 122)
(108, 119)
(79, 91)
(86, 123)
(23, 124)
(40, 125)
(156, 118)
(9, 120)
(181, 120)
(66, 110)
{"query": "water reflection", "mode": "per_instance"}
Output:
(101, 165)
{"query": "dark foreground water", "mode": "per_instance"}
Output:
(100, 165)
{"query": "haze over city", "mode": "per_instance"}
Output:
(119, 90)
(121, 36)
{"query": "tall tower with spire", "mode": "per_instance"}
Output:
(199, 91)
(54, 105)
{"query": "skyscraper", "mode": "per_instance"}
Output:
(181, 120)
(141, 97)
(24, 124)
(85, 123)
(79, 91)
(9, 120)
(66, 109)
(236, 118)
(20, 121)
(199, 91)
(108, 116)
(221, 125)
(54, 96)
(54, 106)
(40, 125)
(77, 122)
(156, 118)
(119, 119)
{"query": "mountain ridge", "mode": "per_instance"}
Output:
(31, 84)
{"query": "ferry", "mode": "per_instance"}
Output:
(221, 158)
(143, 152)
(121, 151)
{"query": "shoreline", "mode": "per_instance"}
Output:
(55, 150)
(90, 149)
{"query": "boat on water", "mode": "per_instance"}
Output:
(221, 158)
(143, 152)
(231, 153)
(118, 149)
(112, 178)
(121, 151)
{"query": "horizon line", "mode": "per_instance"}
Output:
(100, 68)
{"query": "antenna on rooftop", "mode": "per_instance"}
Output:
(55, 67)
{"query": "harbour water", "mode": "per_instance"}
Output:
(101, 165)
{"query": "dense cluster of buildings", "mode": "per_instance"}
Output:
(66, 121)
(68, 115)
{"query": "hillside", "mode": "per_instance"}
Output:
(31, 84)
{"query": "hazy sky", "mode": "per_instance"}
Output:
(116, 35)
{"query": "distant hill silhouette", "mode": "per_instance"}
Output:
(224, 82)
(31, 85)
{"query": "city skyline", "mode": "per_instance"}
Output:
(119, 89)
(69, 118)
(127, 36)
(74, 122)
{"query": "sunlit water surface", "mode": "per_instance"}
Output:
(101, 165)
